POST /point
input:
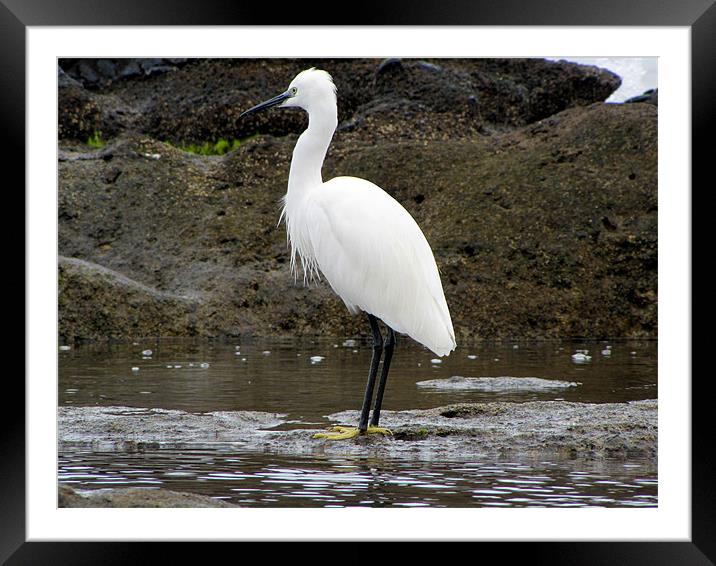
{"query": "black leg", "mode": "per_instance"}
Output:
(389, 347)
(375, 360)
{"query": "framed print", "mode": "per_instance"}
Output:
(496, 196)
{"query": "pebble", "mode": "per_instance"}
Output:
(316, 359)
(471, 357)
(581, 357)
(147, 352)
(436, 361)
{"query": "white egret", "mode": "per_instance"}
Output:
(367, 246)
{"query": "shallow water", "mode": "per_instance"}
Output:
(277, 481)
(279, 376)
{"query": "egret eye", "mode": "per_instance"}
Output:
(294, 90)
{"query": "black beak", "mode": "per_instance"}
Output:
(268, 104)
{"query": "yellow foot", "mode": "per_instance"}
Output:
(346, 432)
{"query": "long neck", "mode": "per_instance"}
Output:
(310, 151)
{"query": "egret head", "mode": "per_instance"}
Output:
(310, 89)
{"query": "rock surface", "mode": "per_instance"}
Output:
(202, 99)
(129, 429)
(462, 430)
(539, 200)
(651, 96)
(83, 286)
(134, 497)
(504, 383)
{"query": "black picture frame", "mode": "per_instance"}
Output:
(17, 15)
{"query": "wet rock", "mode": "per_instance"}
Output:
(131, 429)
(101, 73)
(66, 81)
(541, 427)
(459, 383)
(650, 96)
(390, 65)
(434, 87)
(467, 429)
(134, 497)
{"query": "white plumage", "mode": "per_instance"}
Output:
(369, 248)
(375, 257)
(366, 245)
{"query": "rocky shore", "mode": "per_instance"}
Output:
(466, 430)
(539, 200)
(134, 497)
(535, 431)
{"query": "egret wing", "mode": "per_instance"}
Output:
(376, 258)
